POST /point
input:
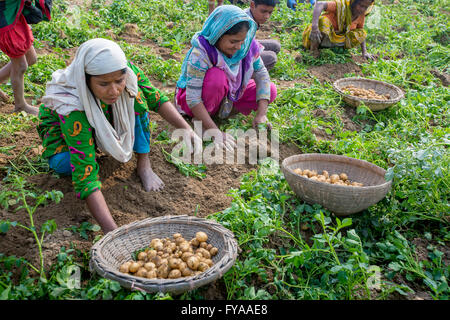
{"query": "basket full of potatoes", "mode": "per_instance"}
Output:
(166, 254)
(376, 95)
(341, 184)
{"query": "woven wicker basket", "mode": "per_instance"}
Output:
(341, 200)
(117, 246)
(380, 87)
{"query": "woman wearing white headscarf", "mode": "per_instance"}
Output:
(101, 101)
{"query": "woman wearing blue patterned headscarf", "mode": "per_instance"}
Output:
(223, 70)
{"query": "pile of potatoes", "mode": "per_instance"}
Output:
(340, 179)
(172, 258)
(365, 93)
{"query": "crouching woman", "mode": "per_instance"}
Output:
(101, 101)
(340, 25)
(223, 72)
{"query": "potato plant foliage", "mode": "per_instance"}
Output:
(290, 249)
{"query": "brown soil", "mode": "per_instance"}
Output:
(333, 72)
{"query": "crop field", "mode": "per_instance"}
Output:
(289, 250)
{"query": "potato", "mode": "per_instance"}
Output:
(334, 178)
(186, 272)
(203, 245)
(125, 267)
(298, 171)
(142, 256)
(306, 172)
(165, 261)
(142, 272)
(194, 242)
(182, 265)
(174, 274)
(193, 262)
(151, 274)
(185, 246)
(198, 255)
(343, 176)
(151, 253)
(156, 260)
(149, 266)
(186, 255)
(205, 253)
(174, 263)
(176, 235)
(213, 251)
(325, 174)
(163, 271)
(202, 266)
(209, 262)
(201, 236)
(134, 267)
(179, 240)
(153, 241)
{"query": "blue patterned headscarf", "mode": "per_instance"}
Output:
(221, 19)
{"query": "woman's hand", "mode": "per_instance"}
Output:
(196, 145)
(261, 119)
(368, 56)
(226, 141)
(364, 52)
(316, 35)
(261, 114)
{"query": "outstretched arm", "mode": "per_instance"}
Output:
(171, 115)
(319, 7)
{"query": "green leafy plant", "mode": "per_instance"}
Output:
(19, 195)
(84, 228)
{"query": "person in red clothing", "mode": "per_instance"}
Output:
(16, 41)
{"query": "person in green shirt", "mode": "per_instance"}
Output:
(101, 101)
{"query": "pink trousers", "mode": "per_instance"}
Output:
(215, 88)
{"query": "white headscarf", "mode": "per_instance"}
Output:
(68, 91)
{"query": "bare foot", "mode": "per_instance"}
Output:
(150, 180)
(28, 109)
(3, 96)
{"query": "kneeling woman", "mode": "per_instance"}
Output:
(341, 26)
(101, 101)
(223, 72)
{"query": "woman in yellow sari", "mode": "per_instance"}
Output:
(341, 26)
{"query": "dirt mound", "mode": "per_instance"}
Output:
(333, 72)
